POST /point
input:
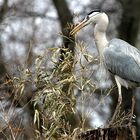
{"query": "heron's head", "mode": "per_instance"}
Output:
(95, 17)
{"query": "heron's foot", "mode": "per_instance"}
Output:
(119, 101)
(117, 110)
(132, 116)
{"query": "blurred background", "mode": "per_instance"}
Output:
(28, 28)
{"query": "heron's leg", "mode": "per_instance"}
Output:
(119, 100)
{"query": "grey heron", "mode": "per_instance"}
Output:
(117, 56)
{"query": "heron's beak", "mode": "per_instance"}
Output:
(78, 27)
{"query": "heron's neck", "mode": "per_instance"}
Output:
(100, 38)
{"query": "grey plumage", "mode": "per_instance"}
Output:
(122, 59)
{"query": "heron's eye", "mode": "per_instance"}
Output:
(87, 17)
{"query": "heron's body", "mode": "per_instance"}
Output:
(123, 60)
(117, 56)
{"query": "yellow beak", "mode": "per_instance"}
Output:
(78, 27)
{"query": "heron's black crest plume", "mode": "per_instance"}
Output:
(95, 10)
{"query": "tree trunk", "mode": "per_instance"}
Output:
(65, 18)
(128, 29)
(2, 66)
(113, 133)
(3, 10)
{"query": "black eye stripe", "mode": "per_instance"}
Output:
(96, 10)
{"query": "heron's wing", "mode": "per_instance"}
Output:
(123, 60)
